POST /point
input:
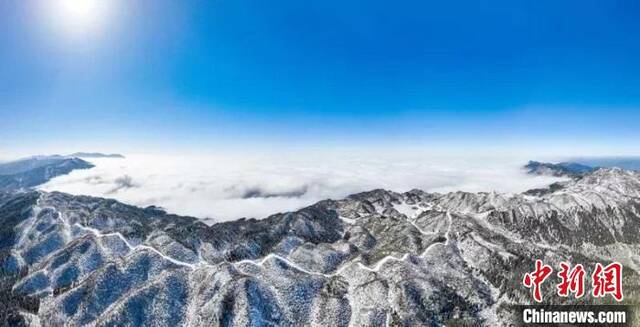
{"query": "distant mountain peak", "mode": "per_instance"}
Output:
(95, 155)
(33, 171)
(562, 169)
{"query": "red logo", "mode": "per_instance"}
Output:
(572, 280)
(604, 280)
(536, 278)
(608, 280)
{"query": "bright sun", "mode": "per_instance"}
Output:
(79, 16)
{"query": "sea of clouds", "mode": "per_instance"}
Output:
(227, 187)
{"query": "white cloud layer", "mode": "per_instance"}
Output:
(230, 186)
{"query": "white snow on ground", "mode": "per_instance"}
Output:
(202, 264)
(348, 220)
(409, 210)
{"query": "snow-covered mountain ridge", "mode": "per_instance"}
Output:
(374, 258)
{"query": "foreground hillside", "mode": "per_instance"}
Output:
(375, 258)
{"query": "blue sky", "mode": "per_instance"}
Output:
(500, 75)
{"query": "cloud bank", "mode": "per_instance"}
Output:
(228, 187)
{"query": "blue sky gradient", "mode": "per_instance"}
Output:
(499, 75)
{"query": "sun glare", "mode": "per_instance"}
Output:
(79, 17)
